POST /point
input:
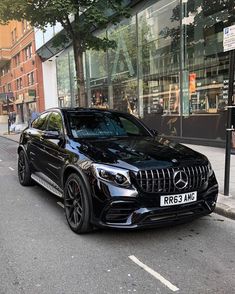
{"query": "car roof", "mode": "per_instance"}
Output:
(85, 109)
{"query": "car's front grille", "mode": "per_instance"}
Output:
(164, 180)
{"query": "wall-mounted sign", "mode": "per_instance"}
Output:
(229, 38)
(32, 93)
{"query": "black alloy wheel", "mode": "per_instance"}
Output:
(76, 205)
(24, 173)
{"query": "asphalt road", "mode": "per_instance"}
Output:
(40, 254)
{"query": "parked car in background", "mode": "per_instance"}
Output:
(113, 171)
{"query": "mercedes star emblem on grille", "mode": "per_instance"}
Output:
(180, 179)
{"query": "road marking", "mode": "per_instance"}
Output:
(0, 160)
(153, 273)
(60, 204)
(11, 168)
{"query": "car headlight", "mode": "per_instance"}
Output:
(114, 175)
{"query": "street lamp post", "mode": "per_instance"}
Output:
(229, 128)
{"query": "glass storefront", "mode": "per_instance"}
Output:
(159, 51)
(207, 66)
(123, 66)
(97, 75)
(66, 81)
(168, 68)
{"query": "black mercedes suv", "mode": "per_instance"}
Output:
(112, 171)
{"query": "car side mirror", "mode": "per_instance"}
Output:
(52, 135)
(154, 132)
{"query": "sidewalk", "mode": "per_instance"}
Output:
(226, 204)
(13, 136)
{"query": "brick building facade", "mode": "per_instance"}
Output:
(21, 81)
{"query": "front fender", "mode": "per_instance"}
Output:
(22, 147)
(69, 169)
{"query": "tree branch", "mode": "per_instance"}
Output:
(67, 26)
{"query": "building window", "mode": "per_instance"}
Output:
(28, 26)
(13, 36)
(4, 89)
(159, 61)
(24, 26)
(123, 66)
(65, 91)
(30, 78)
(19, 83)
(9, 87)
(28, 52)
(16, 59)
(5, 70)
(168, 67)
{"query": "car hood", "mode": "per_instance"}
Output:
(140, 152)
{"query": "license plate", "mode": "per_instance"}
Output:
(169, 200)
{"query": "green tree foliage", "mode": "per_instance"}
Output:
(78, 19)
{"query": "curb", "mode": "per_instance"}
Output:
(224, 210)
(8, 138)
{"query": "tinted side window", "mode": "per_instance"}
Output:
(55, 122)
(130, 127)
(40, 122)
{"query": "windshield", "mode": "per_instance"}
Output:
(99, 125)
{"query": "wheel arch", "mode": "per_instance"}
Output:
(22, 148)
(70, 169)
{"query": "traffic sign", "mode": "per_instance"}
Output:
(229, 38)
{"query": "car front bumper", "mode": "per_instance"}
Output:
(134, 210)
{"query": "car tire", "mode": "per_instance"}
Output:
(77, 205)
(24, 173)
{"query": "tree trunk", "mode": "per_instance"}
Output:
(78, 58)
